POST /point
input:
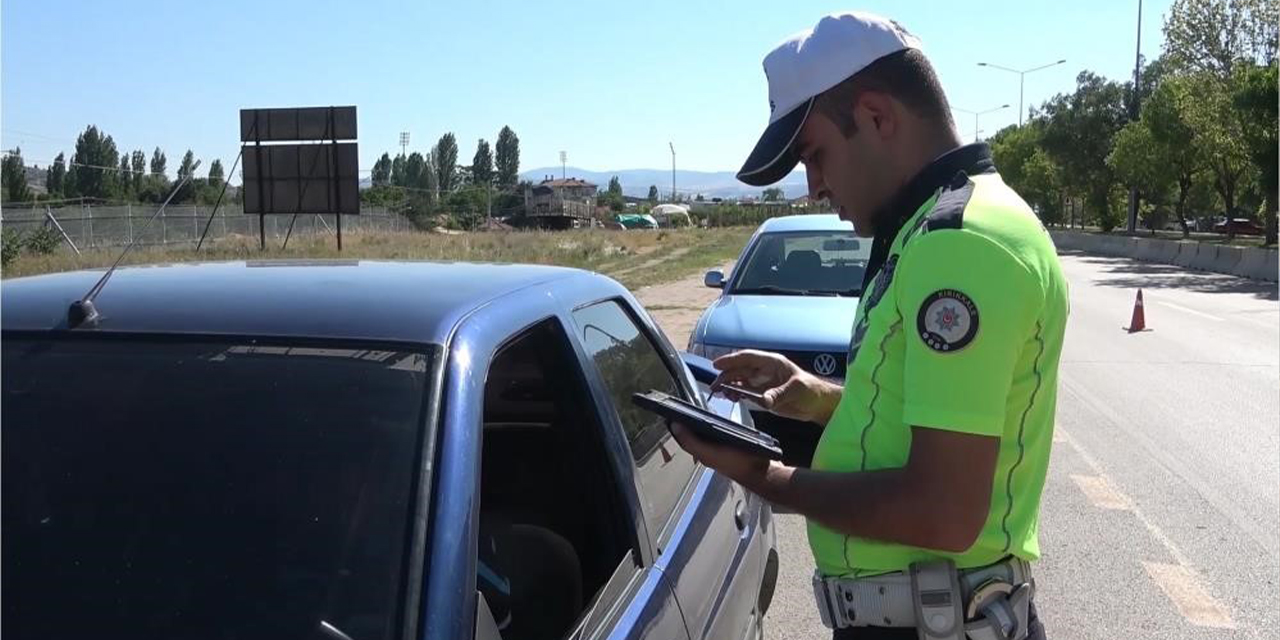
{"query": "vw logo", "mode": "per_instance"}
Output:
(824, 364)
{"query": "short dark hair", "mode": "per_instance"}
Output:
(905, 75)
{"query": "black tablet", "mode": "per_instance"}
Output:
(708, 425)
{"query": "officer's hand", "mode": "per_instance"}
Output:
(788, 390)
(744, 468)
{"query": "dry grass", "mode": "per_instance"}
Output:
(635, 258)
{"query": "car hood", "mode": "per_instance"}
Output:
(785, 323)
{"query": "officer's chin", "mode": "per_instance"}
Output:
(861, 228)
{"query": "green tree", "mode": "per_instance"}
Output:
(615, 186)
(1213, 36)
(507, 158)
(216, 173)
(1255, 100)
(467, 206)
(57, 176)
(188, 165)
(138, 163)
(1207, 40)
(415, 171)
(124, 179)
(1217, 133)
(653, 194)
(382, 171)
(399, 177)
(158, 162)
(1078, 133)
(13, 172)
(772, 194)
(1026, 167)
(95, 160)
(445, 156)
(482, 163)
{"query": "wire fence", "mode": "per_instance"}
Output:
(94, 226)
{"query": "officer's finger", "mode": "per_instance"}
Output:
(749, 361)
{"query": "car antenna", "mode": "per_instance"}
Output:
(82, 311)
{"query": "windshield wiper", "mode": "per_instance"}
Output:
(769, 289)
(780, 291)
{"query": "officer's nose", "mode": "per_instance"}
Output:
(817, 186)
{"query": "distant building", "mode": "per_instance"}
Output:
(568, 197)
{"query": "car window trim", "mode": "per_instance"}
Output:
(666, 528)
(603, 611)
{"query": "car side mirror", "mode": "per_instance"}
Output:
(714, 279)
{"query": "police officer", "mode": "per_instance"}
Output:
(923, 498)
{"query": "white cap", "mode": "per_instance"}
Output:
(804, 66)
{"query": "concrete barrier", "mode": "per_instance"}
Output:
(1249, 262)
(1186, 254)
(1206, 256)
(1168, 252)
(1259, 264)
(1147, 250)
(1227, 260)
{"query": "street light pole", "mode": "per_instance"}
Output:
(1134, 111)
(978, 114)
(1022, 78)
(673, 171)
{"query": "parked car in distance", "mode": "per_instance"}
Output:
(794, 290)
(360, 450)
(1240, 227)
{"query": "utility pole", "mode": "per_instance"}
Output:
(1135, 109)
(404, 143)
(673, 171)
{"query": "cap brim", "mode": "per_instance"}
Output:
(775, 156)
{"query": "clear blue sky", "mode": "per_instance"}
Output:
(610, 83)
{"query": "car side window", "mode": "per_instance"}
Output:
(629, 363)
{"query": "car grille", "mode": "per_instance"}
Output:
(807, 359)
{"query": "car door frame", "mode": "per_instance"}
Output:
(453, 520)
(708, 495)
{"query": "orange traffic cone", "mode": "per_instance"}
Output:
(1139, 321)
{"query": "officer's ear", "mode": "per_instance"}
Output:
(878, 114)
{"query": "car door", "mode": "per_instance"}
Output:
(631, 599)
(707, 532)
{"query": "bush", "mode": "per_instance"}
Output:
(42, 241)
(10, 247)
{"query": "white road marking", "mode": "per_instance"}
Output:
(1193, 602)
(1191, 311)
(1101, 493)
(1180, 582)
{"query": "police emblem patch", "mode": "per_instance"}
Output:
(947, 321)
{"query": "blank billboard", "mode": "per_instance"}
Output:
(302, 178)
(294, 124)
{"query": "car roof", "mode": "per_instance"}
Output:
(357, 300)
(806, 222)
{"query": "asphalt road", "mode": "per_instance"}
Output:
(1161, 516)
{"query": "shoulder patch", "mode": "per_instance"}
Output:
(947, 321)
(948, 211)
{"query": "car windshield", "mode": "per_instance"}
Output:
(172, 489)
(805, 263)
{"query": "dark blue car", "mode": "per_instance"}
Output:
(360, 451)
